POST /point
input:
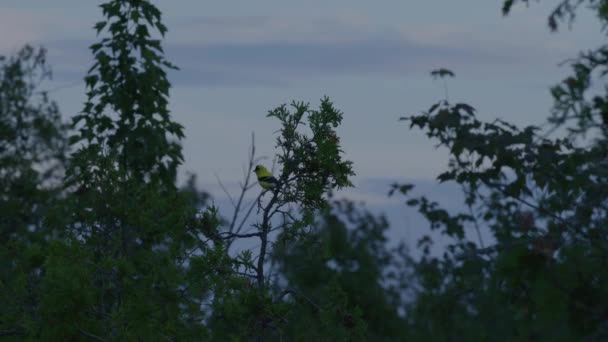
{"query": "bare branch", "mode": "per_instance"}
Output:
(11, 332)
(247, 214)
(474, 218)
(495, 248)
(245, 186)
(235, 228)
(264, 237)
(479, 252)
(253, 276)
(278, 210)
(224, 189)
(298, 294)
(234, 235)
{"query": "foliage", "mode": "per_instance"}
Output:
(128, 79)
(99, 243)
(32, 143)
(118, 272)
(134, 225)
(130, 255)
(32, 147)
(346, 282)
(565, 10)
(544, 200)
(312, 166)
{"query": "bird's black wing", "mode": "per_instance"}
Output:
(268, 179)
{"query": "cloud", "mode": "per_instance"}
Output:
(250, 29)
(287, 60)
(269, 51)
(286, 50)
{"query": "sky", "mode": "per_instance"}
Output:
(239, 59)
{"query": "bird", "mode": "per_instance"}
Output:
(265, 178)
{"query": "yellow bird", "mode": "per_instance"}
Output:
(265, 178)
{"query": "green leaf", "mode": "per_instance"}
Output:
(98, 27)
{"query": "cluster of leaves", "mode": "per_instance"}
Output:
(126, 116)
(544, 200)
(565, 10)
(311, 165)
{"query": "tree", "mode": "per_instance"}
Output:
(346, 282)
(544, 200)
(312, 165)
(130, 255)
(32, 151)
(32, 142)
(118, 271)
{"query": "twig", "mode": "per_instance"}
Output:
(225, 190)
(246, 274)
(234, 235)
(11, 332)
(475, 223)
(501, 187)
(480, 251)
(496, 248)
(245, 186)
(94, 337)
(264, 238)
(297, 294)
(286, 213)
(240, 226)
(277, 209)
(59, 87)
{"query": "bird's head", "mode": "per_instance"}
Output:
(260, 169)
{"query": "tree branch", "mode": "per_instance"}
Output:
(11, 332)
(235, 235)
(225, 190)
(298, 294)
(264, 237)
(91, 336)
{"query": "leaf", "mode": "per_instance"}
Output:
(442, 73)
(98, 27)
(73, 139)
(506, 7)
(161, 28)
(402, 188)
(457, 148)
(467, 108)
(433, 107)
(91, 80)
(412, 202)
(446, 176)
